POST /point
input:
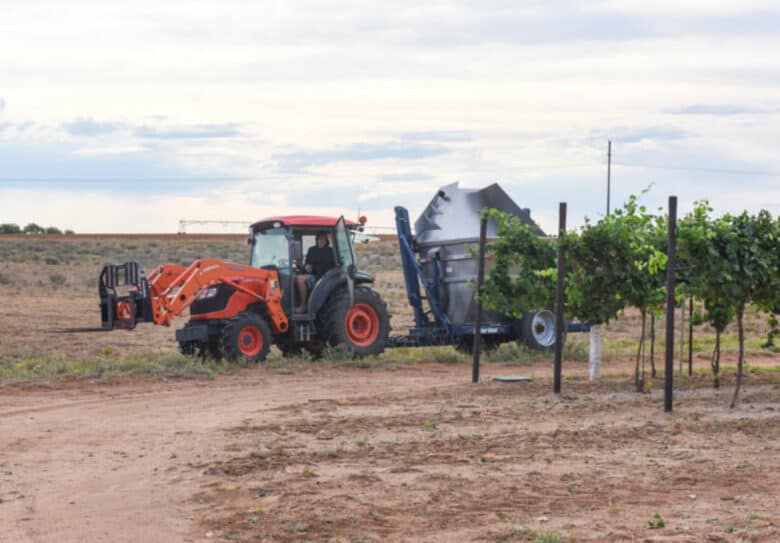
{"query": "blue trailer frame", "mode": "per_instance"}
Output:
(432, 327)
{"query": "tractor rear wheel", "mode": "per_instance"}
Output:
(246, 336)
(363, 328)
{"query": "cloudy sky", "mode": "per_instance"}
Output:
(128, 116)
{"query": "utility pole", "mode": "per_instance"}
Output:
(609, 171)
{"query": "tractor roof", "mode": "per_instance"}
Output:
(302, 220)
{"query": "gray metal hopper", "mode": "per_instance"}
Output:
(448, 228)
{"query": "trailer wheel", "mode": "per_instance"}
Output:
(363, 327)
(246, 336)
(539, 330)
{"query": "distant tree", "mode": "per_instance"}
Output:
(69, 232)
(53, 230)
(33, 228)
(10, 228)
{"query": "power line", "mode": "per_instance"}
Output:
(121, 179)
(699, 169)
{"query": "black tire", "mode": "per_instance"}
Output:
(538, 330)
(246, 336)
(363, 328)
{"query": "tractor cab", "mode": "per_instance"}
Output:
(281, 244)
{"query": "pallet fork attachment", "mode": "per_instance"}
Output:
(123, 311)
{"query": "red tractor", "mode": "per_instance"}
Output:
(240, 311)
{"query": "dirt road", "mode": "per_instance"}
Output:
(399, 454)
(106, 463)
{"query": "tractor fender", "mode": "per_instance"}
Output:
(333, 279)
(363, 278)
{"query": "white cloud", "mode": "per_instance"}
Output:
(321, 105)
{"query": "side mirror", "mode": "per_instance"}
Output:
(250, 241)
(351, 271)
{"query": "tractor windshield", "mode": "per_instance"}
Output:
(270, 248)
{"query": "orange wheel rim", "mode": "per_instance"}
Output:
(362, 325)
(250, 340)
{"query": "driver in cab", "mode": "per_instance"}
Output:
(319, 259)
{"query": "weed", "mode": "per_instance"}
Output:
(292, 528)
(656, 523)
(753, 516)
(429, 425)
(362, 442)
(547, 537)
(339, 353)
(57, 279)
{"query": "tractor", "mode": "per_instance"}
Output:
(239, 311)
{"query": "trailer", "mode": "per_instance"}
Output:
(440, 265)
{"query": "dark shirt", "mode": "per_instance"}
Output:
(321, 259)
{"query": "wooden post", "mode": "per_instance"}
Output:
(480, 280)
(671, 266)
(559, 322)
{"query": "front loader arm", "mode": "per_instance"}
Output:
(178, 294)
(170, 289)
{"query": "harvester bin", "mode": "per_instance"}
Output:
(447, 235)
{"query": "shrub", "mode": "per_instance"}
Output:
(10, 228)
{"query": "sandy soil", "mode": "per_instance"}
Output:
(393, 454)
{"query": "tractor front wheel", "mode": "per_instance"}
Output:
(363, 327)
(246, 336)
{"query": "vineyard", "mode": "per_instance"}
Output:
(724, 266)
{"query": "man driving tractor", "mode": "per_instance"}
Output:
(319, 259)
